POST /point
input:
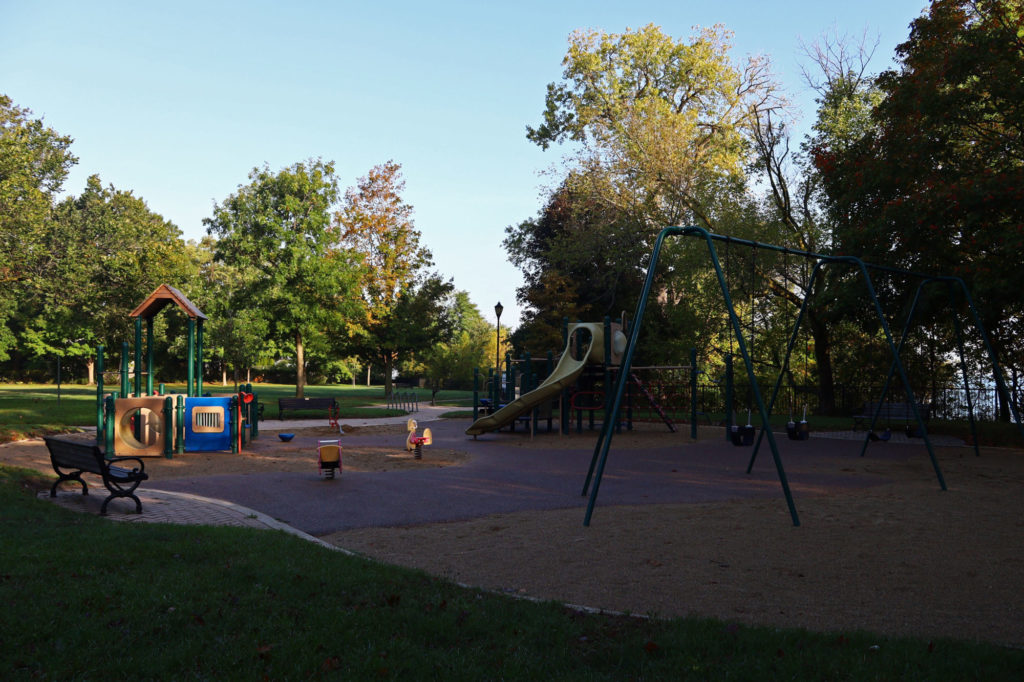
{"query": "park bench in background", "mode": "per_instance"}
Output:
(889, 412)
(329, 404)
(79, 457)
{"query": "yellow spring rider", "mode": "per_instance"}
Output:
(328, 457)
(414, 442)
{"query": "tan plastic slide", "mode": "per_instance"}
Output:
(565, 375)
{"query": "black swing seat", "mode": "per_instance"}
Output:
(798, 430)
(884, 436)
(80, 457)
(742, 435)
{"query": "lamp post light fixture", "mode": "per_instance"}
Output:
(497, 353)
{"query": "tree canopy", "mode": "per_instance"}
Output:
(936, 184)
(450, 363)
(660, 124)
(104, 252)
(34, 162)
(403, 308)
(278, 232)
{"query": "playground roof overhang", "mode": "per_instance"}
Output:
(163, 296)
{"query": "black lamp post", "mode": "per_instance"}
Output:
(497, 354)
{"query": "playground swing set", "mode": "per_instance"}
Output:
(152, 422)
(743, 435)
(956, 290)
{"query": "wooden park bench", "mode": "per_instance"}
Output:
(889, 412)
(80, 457)
(329, 404)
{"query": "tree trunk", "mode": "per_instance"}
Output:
(300, 367)
(388, 364)
(90, 366)
(368, 375)
(823, 358)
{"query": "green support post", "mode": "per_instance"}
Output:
(254, 410)
(138, 361)
(100, 423)
(623, 377)
(693, 393)
(232, 423)
(476, 393)
(728, 396)
(137, 430)
(149, 356)
(526, 385)
(108, 427)
(199, 357)
(179, 431)
(124, 369)
(607, 371)
(243, 419)
(168, 431)
(551, 369)
(564, 414)
(508, 393)
(491, 390)
(191, 360)
(247, 413)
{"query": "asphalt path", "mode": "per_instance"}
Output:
(501, 477)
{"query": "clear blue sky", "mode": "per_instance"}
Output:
(179, 101)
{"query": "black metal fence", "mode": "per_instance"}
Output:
(947, 402)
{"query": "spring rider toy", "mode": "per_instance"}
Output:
(416, 443)
(328, 457)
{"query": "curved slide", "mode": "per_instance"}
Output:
(565, 374)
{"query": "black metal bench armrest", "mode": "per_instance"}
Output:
(140, 469)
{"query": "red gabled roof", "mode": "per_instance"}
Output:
(162, 296)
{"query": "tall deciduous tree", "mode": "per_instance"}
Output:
(277, 231)
(450, 363)
(239, 336)
(579, 258)
(105, 250)
(938, 185)
(660, 124)
(660, 132)
(404, 309)
(34, 162)
(795, 212)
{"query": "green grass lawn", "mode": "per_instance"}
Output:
(83, 597)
